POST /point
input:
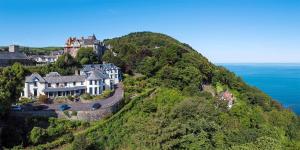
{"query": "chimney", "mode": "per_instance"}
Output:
(13, 48)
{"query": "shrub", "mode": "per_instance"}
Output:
(67, 113)
(24, 100)
(43, 99)
(38, 135)
(107, 93)
(82, 143)
(74, 113)
(86, 96)
(69, 97)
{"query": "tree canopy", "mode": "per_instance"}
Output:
(11, 86)
(86, 56)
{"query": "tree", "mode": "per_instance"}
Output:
(86, 56)
(66, 60)
(11, 86)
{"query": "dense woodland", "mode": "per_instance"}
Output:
(166, 106)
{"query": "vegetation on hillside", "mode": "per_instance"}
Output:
(86, 56)
(39, 50)
(178, 115)
(167, 108)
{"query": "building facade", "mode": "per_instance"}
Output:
(93, 82)
(113, 72)
(44, 59)
(12, 56)
(73, 44)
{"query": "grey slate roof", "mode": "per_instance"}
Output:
(104, 67)
(53, 74)
(96, 75)
(62, 79)
(59, 52)
(34, 76)
(14, 55)
(64, 89)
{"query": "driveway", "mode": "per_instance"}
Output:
(79, 106)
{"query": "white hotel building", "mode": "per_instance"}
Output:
(92, 79)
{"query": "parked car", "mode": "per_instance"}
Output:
(96, 106)
(77, 99)
(64, 107)
(16, 108)
(40, 107)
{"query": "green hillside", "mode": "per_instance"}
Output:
(167, 108)
(172, 102)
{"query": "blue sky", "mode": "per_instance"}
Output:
(222, 30)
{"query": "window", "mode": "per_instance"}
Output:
(99, 90)
(66, 84)
(91, 90)
(35, 92)
(57, 84)
(74, 83)
(81, 83)
(116, 75)
(96, 90)
(91, 82)
(34, 83)
(49, 84)
(95, 82)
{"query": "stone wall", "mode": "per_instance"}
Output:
(92, 115)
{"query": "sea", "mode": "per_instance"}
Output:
(280, 81)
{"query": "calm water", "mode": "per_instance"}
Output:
(281, 81)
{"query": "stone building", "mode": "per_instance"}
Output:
(73, 44)
(12, 56)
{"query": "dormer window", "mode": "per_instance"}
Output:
(49, 84)
(74, 83)
(57, 84)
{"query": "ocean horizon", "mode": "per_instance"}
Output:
(281, 81)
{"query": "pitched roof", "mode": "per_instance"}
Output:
(53, 74)
(96, 75)
(34, 76)
(63, 79)
(12, 55)
(58, 52)
(227, 96)
(102, 67)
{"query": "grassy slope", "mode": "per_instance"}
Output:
(165, 109)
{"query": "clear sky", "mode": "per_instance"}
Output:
(222, 30)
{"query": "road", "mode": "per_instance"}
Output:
(79, 106)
